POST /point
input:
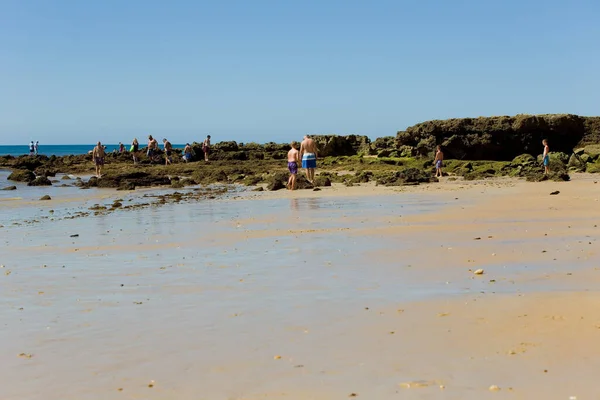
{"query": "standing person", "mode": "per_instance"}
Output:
(293, 158)
(135, 147)
(546, 157)
(121, 148)
(206, 147)
(308, 153)
(168, 150)
(37, 145)
(31, 148)
(152, 147)
(187, 153)
(98, 157)
(439, 158)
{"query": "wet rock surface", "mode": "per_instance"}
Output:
(20, 175)
(40, 181)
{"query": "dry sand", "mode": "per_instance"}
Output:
(528, 327)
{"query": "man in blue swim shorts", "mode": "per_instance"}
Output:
(546, 157)
(308, 153)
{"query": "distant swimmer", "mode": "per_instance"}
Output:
(308, 154)
(293, 159)
(32, 148)
(206, 147)
(98, 157)
(135, 147)
(187, 153)
(546, 157)
(438, 162)
(152, 147)
(168, 151)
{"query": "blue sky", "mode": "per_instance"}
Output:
(75, 71)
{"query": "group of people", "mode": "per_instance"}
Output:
(152, 152)
(306, 156)
(33, 148)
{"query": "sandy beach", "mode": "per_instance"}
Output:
(365, 292)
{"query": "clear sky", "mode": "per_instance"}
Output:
(76, 71)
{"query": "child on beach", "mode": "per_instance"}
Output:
(293, 160)
(439, 158)
(546, 157)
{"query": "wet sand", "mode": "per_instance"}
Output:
(363, 292)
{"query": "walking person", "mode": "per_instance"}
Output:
(206, 147)
(439, 158)
(152, 148)
(168, 150)
(135, 147)
(37, 146)
(308, 154)
(32, 149)
(293, 159)
(98, 157)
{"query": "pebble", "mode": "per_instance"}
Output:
(478, 272)
(494, 388)
(277, 358)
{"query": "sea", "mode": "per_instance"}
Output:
(61, 149)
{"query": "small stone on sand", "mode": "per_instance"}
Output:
(277, 358)
(494, 388)
(478, 272)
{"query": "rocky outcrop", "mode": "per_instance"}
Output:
(40, 181)
(409, 176)
(21, 175)
(500, 138)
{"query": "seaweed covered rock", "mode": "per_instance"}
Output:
(21, 175)
(524, 159)
(322, 181)
(278, 181)
(10, 188)
(497, 138)
(409, 176)
(40, 181)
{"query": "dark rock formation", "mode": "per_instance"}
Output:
(410, 176)
(500, 138)
(46, 197)
(10, 188)
(40, 181)
(322, 181)
(21, 175)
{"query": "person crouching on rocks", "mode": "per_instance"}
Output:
(187, 153)
(98, 157)
(439, 159)
(293, 159)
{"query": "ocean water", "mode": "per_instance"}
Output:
(62, 149)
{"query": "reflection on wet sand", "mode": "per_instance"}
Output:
(306, 298)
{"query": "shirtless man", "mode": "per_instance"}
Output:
(98, 157)
(206, 147)
(308, 154)
(187, 153)
(439, 158)
(293, 158)
(546, 157)
(152, 147)
(168, 150)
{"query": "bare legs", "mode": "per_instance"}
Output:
(310, 175)
(292, 182)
